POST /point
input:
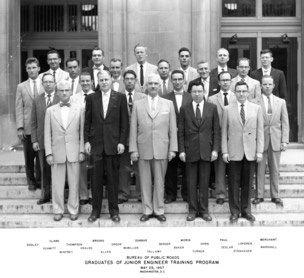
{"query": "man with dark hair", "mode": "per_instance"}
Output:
(242, 146)
(72, 65)
(163, 68)
(184, 56)
(142, 68)
(26, 92)
(54, 60)
(117, 80)
(280, 88)
(97, 59)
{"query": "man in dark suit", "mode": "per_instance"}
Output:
(199, 141)
(118, 84)
(26, 92)
(163, 68)
(280, 89)
(97, 59)
(222, 58)
(105, 135)
(40, 104)
(179, 98)
(242, 146)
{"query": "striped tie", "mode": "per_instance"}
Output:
(242, 113)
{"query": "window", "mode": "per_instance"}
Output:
(238, 8)
(279, 8)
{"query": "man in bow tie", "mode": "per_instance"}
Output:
(64, 149)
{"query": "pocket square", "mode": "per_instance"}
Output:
(165, 112)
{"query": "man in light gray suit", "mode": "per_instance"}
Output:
(142, 68)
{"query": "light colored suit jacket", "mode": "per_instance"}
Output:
(149, 69)
(60, 75)
(276, 129)
(121, 86)
(153, 136)
(79, 98)
(64, 143)
(238, 139)
(254, 87)
(192, 74)
(24, 100)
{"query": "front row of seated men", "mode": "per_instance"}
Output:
(229, 130)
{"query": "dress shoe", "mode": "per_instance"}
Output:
(58, 217)
(168, 201)
(256, 201)
(32, 187)
(43, 201)
(115, 218)
(93, 217)
(206, 217)
(277, 201)
(145, 217)
(121, 201)
(73, 217)
(234, 217)
(248, 216)
(190, 217)
(220, 201)
(83, 202)
(161, 218)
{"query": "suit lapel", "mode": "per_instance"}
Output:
(235, 108)
(42, 102)
(261, 102)
(172, 97)
(220, 100)
(158, 107)
(28, 89)
(57, 115)
(98, 99)
(275, 108)
(148, 108)
(111, 102)
(72, 114)
(189, 107)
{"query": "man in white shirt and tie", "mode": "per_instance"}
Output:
(117, 80)
(73, 68)
(164, 73)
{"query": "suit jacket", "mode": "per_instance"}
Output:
(238, 139)
(121, 85)
(198, 140)
(105, 133)
(60, 75)
(37, 119)
(192, 74)
(214, 86)
(198, 81)
(280, 88)
(91, 71)
(169, 89)
(149, 69)
(64, 143)
(24, 100)
(254, 87)
(171, 96)
(276, 129)
(153, 136)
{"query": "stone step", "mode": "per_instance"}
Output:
(22, 192)
(29, 206)
(132, 220)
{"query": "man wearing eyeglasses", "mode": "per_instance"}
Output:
(243, 67)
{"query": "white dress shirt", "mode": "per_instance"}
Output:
(266, 71)
(115, 83)
(46, 97)
(178, 98)
(206, 83)
(64, 111)
(265, 98)
(220, 69)
(245, 108)
(228, 95)
(201, 106)
(155, 102)
(76, 82)
(186, 74)
(96, 70)
(38, 83)
(144, 71)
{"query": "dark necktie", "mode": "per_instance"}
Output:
(48, 102)
(130, 102)
(54, 74)
(73, 81)
(65, 104)
(85, 97)
(141, 75)
(269, 111)
(242, 113)
(35, 90)
(225, 99)
(164, 88)
(198, 115)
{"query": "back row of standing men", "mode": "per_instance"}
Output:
(153, 130)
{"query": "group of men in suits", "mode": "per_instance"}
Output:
(137, 122)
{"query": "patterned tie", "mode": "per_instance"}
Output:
(141, 75)
(54, 74)
(269, 111)
(35, 90)
(225, 99)
(130, 102)
(198, 115)
(164, 88)
(242, 113)
(48, 102)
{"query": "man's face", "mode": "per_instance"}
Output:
(130, 81)
(184, 59)
(241, 93)
(64, 92)
(153, 86)
(104, 81)
(177, 80)
(222, 56)
(73, 69)
(48, 83)
(197, 93)
(85, 82)
(115, 68)
(225, 81)
(53, 61)
(32, 70)
(163, 70)
(203, 70)
(140, 54)
(266, 60)
(97, 58)
(267, 86)
(243, 68)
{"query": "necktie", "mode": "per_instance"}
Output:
(85, 97)
(198, 115)
(130, 102)
(48, 102)
(54, 74)
(35, 90)
(153, 106)
(73, 81)
(65, 104)
(223, 69)
(242, 113)
(225, 99)
(141, 75)
(269, 111)
(164, 88)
